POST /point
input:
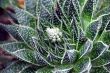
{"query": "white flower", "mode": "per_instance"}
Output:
(54, 34)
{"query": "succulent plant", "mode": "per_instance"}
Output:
(60, 36)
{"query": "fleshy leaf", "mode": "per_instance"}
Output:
(44, 70)
(4, 3)
(82, 65)
(98, 70)
(102, 60)
(105, 37)
(20, 50)
(30, 6)
(69, 56)
(26, 34)
(86, 48)
(15, 67)
(93, 29)
(98, 49)
(102, 7)
(62, 68)
(12, 29)
(87, 12)
(25, 18)
(107, 67)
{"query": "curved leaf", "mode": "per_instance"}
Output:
(98, 70)
(87, 12)
(93, 29)
(25, 18)
(98, 49)
(62, 68)
(69, 56)
(107, 67)
(44, 70)
(15, 67)
(86, 48)
(27, 34)
(102, 60)
(82, 65)
(12, 29)
(105, 37)
(20, 50)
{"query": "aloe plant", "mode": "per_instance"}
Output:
(60, 36)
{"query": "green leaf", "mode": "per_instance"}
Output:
(102, 60)
(4, 3)
(69, 56)
(30, 6)
(75, 29)
(30, 69)
(82, 3)
(20, 50)
(25, 18)
(102, 7)
(98, 49)
(27, 34)
(12, 29)
(86, 48)
(93, 29)
(15, 67)
(44, 70)
(105, 25)
(98, 70)
(107, 67)
(82, 65)
(64, 68)
(87, 12)
(105, 37)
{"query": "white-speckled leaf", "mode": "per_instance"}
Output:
(25, 18)
(98, 49)
(102, 60)
(27, 34)
(93, 29)
(83, 65)
(86, 48)
(15, 67)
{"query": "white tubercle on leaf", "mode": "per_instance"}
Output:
(54, 34)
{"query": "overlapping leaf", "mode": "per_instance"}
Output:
(98, 49)
(102, 60)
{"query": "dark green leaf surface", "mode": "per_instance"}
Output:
(98, 49)
(102, 60)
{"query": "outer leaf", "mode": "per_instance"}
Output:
(82, 65)
(62, 69)
(30, 6)
(31, 69)
(105, 37)
(25, 18)
(15, 67)
(98, 70)
(82, 3)
(4, 3)
(86, 48)
(98, 49)
(20, 50)
(69, 56)
(74, 24)
(107, 67)
(44, 70)
(102, 7)
(87, 12)
(102, 60)
(12, 29)
(26, 34)
(93, 29)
